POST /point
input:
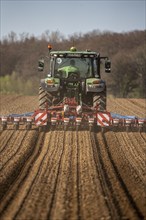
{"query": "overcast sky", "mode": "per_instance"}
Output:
(69, 17)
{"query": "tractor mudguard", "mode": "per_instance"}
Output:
(95, 85)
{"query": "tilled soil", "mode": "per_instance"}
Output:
(63, 175)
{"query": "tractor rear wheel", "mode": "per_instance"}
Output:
(99, 100)
(44, 98)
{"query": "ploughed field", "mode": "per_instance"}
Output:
(64, 175)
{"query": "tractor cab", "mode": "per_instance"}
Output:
(86, 63)
(83, 64)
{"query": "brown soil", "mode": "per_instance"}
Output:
(69, 175)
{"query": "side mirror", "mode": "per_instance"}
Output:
(107, 66)
(41, 65)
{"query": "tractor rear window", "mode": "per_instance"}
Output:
(83, 65)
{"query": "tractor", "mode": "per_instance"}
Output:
(73, 75)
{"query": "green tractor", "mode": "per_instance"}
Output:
(73, 74)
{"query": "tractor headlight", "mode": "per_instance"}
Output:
(50, 81)
(97, 85)
(97, 81)
(100, 85)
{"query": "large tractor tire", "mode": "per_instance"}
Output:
(44, 98)
(99, 100)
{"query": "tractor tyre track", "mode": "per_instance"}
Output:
(132, 181)
(42, 189)
(14, 189)
(108, 189)
(5, 138)
(12, 149)
(118, 192)
(14, 165)
(92, 200)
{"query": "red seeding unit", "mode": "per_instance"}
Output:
(69, 115)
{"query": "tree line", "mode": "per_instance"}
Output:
(127, 52)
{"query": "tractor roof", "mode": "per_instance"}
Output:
(73, 54)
